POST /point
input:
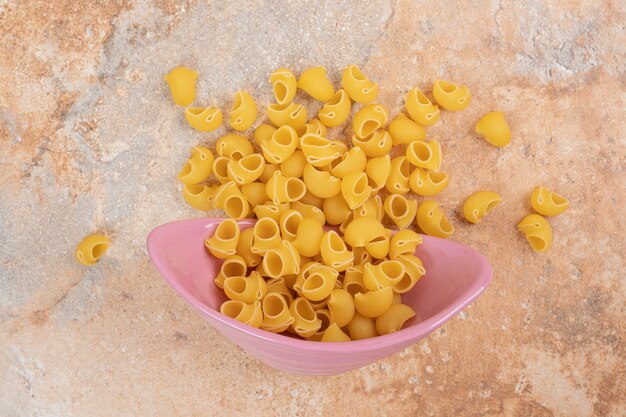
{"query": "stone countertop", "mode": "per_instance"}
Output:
(90, 141)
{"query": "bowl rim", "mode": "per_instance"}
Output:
(400, 337)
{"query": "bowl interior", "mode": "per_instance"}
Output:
(455, 274)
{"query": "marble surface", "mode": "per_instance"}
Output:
(90, 141)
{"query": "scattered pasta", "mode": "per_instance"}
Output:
(537, 231)
(203, 119)
(494, 128)
(547, 203)
(451, 96)
(432, 220)
(182, 83)
(479, 204)
(315, 83)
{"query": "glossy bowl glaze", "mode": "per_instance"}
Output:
(455, 276)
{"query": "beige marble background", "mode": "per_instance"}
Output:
(90, 141)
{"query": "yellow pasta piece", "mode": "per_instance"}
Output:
(281, 189)
(284, 85)
(281, 260)
(291, 114)
(233, 266)
(319, 283)
(199, 196)
(404, 130)
(428, 183)
(335, 111)
(369, 119)
(373, 303)
(400, 210)
(294, 165)
(254, 193)
(91, 248)
(479, 204)
(198, 167)
(398, 181)
(263, 132)
(321, 183)
(341, 307)
(360, 88)
(268, 172)
(397, 298)
(244, 112)
(245, 289)
(385, 274)
(537, 231)
(266, 235)
(276, 315)
(308, 237)
(432, 221)
(451, 96)
(271, 210)
(336, 209)
(182, 83)
(361, 256)
(354, 160)
(306, 270)
(353, 279)
(224, 240)
(425, 155)
(309, 211)
(250, 314)
(421, 109)
(230, 199)
(378, 143)
(547, 203)
(281, 145)
(279, 285)
(306, 323)
(314, 127)
(378, 170)
(233, 146)
(355, 189)
(220, 169)
(404, 242)
(247, 169)
(494, 129)
(362, 231)
(334, 334)
(334, 251)
(372, 208)
(414, 270)
(315, 83)
(362, 327)
(319, 151)
(289, 222)
(203, 119)
(324, 317)
(394, 319)
(244, 250)
(312, 200)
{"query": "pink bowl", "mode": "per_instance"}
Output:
(456, 275)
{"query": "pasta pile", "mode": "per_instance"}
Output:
(290, 272)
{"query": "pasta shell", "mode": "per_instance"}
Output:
(233, 147)
(247, 169)
(281, 145)
(254, 193)
(394, 319)
(318, 150)
(378, 143)
(334, 334)
(281, 189)
(308, 237)
(400, 210)
(432, 221)
(233, 266)
(537, 231)
(425, 155)
(203, 119)
(309, 211)
(337, 110)
(353, 160)
(220, 169)
(271, 210)
(336, 209)
(362, 327)
(244, 112)
(363, 230)
(266, 235)
(321, 183)
(421, 109)
(373, 303)
(414, 271)
(353, 280)
(334, 251)
(360, 88)
(276, 315)
(404, 242)
(91, 249)
(281, 260)
(289, 222)
(245, 289)
(494, 129)
(547, 203)
(341, 307)
(306, 323)
(451, 96)
(244, 250)
(291, 114)
(398, 181)
(250, 314)
(355, 189)
(369, 119)
(263, 132)
(224, 240)
(284, 85)
(479, 204)
(199, 196)
(279, 285)
(404, 130)
(428, 183)
(315, 83)
(385, 274)
(378, 170)
(294, 165)
(182, 83)
(198, 167)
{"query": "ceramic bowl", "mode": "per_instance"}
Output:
(455, 276)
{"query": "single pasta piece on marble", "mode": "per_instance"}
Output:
(244, 112)
(451, 96)
(284, 85)
(91, 248)
(479, 204)
(421, 109)
(494, 129)
(204, 119)
(432, 220)
(182, 83)
(547, 203)
(360, 88)
(315, 83)
(537, 231)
